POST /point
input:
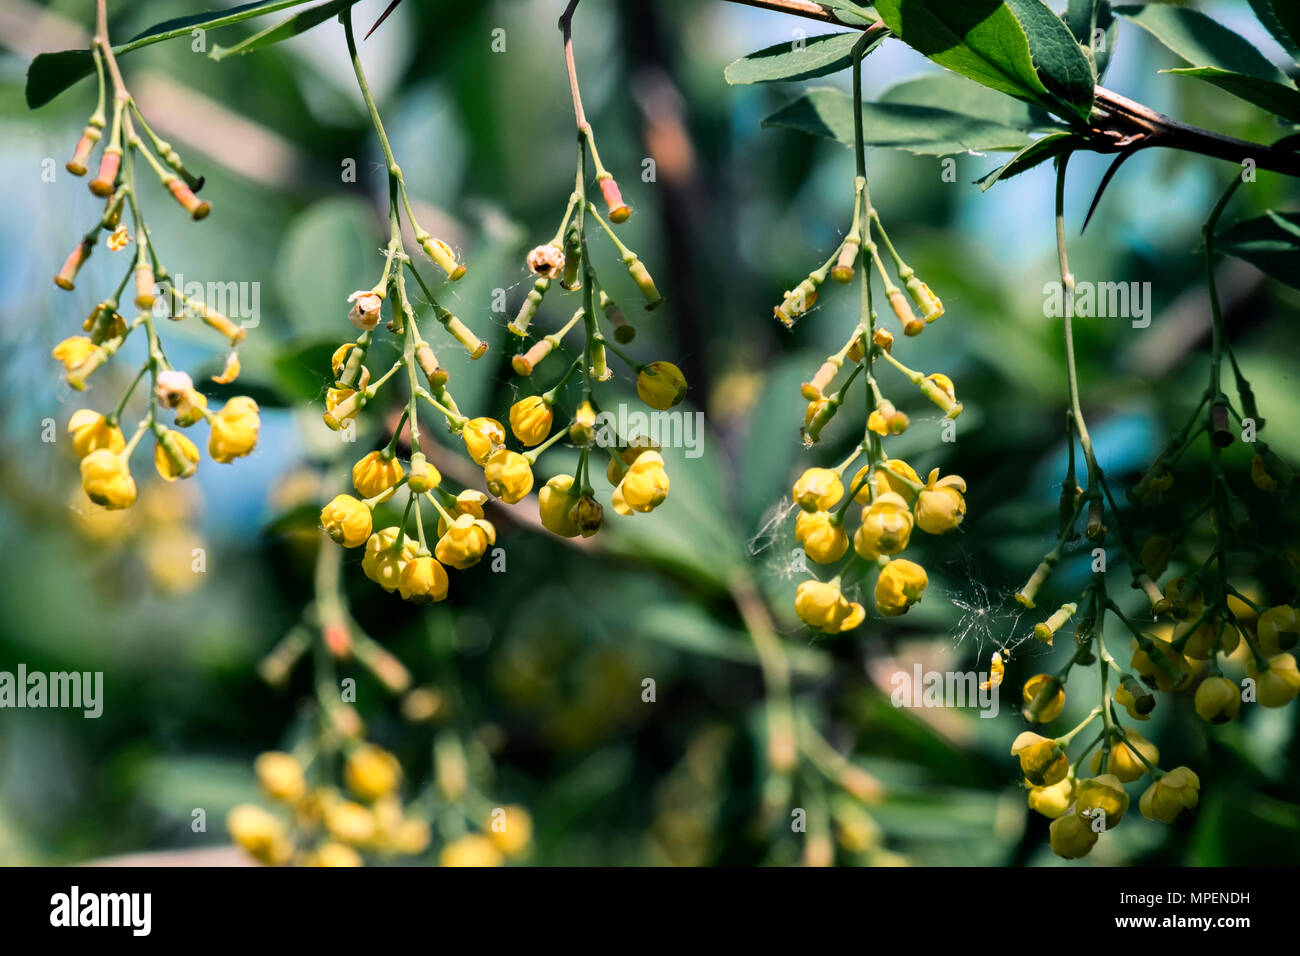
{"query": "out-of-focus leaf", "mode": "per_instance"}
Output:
(330, 251)
(1202, 40)
(797, 59)
(304, 372)
(1282, 19)
(295, 519)
(688, 628)
(1096, 38)
(1280, 98)
(918, 129)
(1270, 242)
(286, 29)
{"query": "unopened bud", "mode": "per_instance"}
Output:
(109, 166)
(519, 325)
(72, 265)
(442, 256)
(641, 276)
(1220, 434)
(192, 204)
(428, 362)
(144, 285)
(81, 155)
(812, 390)
(843, 269)
(618, 210)
(911, 324)
(623, 333)
(1045, 631)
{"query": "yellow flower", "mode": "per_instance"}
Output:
(464, 542)
(347, 521)
(893, 475)
(887, 420)
(1278, 629)
(1209, 637)
(91, 431)
(818, 489)
(482, 436)
(1124, 761)
(107, 479)
(331, 853)
(1053, 800)
(1104, 795)
(190, 408)
(1175, 674)
(644, 487)
(886, 527)
(509, 475)
(422, 580)
(424, 477)
(175, 456)
(80, 356)
(1170, 795)
(468, 502)
(822, 539)
(1279, 684)
(1218, 700)
(940, 506)
(554, 504)
(384, 558)
(1259, 475)
(938, 388)
(234, 429)
(900, 585)
(661, 385)
(374, 474)
(1051, 707)
(371, 772)
(1071, 837)
(1042, 761)
(473, 849)
(260, 833)
(350, 822)
(821, 604)
(515, 833)
(281, 776)
(530, 420)
(1136, 706)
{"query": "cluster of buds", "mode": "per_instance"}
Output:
(893, 497)
(97, 437)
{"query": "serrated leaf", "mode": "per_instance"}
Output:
(1270, 242)
(851, 12)
(1064, 68)
(1202, 40)
(51, 73)
(919, 129)
(796, 60)
(1283, 100)
(1039, 151)
(1282, 19)
(1098, 38)
(980, 39)
(286, 29)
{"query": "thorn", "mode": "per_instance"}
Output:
(1105, 181)
(382, 17)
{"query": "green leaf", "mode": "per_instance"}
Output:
(851, 12)
(1039, 151)
(327, 248)
(286, 29)
(1079, 18)
(956, 94)
(1277, 98)
(1282, 19)
(797, 60)
(918, 129)
(1202, 41)
(1270, 242)
(52, 73)
(988, 42)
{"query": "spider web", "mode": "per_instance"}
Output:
(990, 616)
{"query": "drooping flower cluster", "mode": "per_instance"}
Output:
(97, 436)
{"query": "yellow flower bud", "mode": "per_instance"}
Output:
(384, 558)
(175, 456)
(234, 430)
(1042, 761)
(424, 477)
(643, 487)
(587, 515)
(1208, 638)
(473, 849)
(584, 423)
(900, 585)
(1135, 699)
(821, 604)
(821, 538)
(886, 527)
(422, 580)
(1259, 475)
(530, 420)
(347, 521)
(1218, 700)
(281, 776)
(893, 475)
(331, 853)
(350, 822)
(1071, 837)
(260, 833)
(1279, 684)
(1170, 795)
(107, 479)
(887, 420)
(554, 504)
(818, 489)
(80, 356)
(940, 506)
(509, 475)
(1278, 629)
(1101, 795)
(1053, 702)
(371, 772)
(1160, 665)
(661, 385)
(1052, 801)
(512, 832)
(1124, 761)
(91, 431)
(482, 436)
(374, 474)
(465, 542)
